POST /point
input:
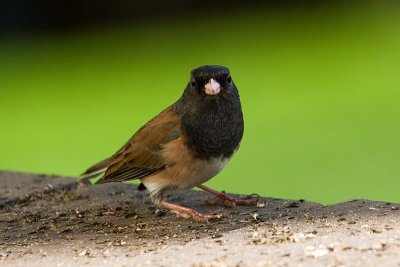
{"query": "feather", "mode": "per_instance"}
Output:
(142, 155)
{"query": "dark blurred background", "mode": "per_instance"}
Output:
(319, 83)
(46, 15)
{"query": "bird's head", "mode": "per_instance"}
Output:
(211, 80)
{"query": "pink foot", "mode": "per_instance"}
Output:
(232, 201)
(187, 213)
(224, 199)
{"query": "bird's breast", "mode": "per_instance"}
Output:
(214, 132)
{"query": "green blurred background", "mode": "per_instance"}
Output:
(319, 85)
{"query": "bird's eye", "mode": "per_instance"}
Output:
(229, 79)
(193, 83)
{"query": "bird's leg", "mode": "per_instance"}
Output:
(187, 213)
(226, 200)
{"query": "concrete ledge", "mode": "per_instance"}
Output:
(59, 221)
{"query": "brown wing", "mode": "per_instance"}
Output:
(141, 156)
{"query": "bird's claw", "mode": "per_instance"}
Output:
(233, 201)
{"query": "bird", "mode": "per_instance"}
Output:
(185, 145)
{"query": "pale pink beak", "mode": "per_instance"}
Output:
(212, 87)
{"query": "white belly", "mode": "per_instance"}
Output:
(201, 172)
(183, 170)
(185, 175)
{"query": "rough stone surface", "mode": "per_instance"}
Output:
(60, 221)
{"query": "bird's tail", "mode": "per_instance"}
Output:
(96, 169)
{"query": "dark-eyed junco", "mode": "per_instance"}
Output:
(185, 145)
